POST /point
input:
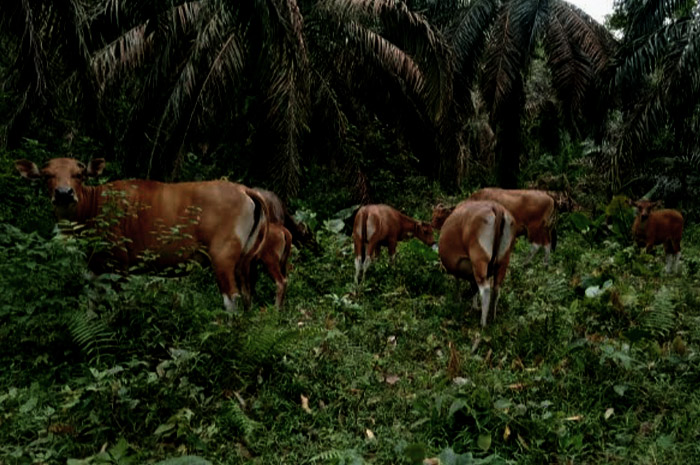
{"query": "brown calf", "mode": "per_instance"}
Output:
(382, 225)
(228, 221)
(274, 255)
(533, 211)
(275, 250)
(475, 244)
(654, 227)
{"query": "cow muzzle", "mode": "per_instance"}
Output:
(64, 196)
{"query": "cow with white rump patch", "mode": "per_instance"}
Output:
(475, 244)
(382, 225)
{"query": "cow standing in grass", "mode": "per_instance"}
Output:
(277, 247)
(475, 244)
(382, 225)
(533, 211)
(168, 223)
(653, 227)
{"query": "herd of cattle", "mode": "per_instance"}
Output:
(234, 226)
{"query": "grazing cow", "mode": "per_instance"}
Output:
(475, 243)
(226, 221)
(382, 225)
(275, 250)
(533, 211)
(274, 254)
(653, 227)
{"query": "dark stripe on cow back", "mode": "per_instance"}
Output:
(258, 214)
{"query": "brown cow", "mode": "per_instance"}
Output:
(533, 211)
(274, 254)
(227, 221)
(653, 227)
(475, 243)
(382, 225)
(275, 250)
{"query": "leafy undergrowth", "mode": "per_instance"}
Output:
(591, 359)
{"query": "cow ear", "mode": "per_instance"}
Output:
(27, 169)
(95, 167)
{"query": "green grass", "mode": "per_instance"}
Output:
(151, 368)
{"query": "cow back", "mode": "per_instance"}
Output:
(527, 206)
(173, 221)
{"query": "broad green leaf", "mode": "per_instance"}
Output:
(484, 442)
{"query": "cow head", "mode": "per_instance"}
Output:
(644, 208)
(440, 214)
(64, 179)
(424, 232)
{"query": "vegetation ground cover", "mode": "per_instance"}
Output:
(593, 359)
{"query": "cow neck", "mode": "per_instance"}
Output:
(408, 224)
(89, 203)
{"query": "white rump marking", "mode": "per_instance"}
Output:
(371, 227)
(486, 235)
(244, 224)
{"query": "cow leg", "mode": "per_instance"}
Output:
(485, 294)
(547, 253)
(669, 262)
(371, 250)
(224, 261)
(391, 245)
(358, 257)
(534, 248)
(358, 268)
(677, 262)
(272, 264)
(245, 281)
(484, 283)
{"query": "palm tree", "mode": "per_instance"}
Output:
(657, 81)
(192, 65)
(46, 48)
(495, 42)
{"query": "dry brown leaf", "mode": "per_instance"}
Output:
(608, 413)
(506, 433)
(431, 461)
(574, 418)
(370, 434)
(516, 386)
(392, 379)
(305, 403)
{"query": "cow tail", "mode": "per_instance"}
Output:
(258, 232)
(498, 226)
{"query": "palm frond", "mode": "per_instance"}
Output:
(572, 73)
(468, 39)
(645, 17)
(503, 63)
(404, 40)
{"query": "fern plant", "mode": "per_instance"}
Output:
(660, 317)
(91, 333)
